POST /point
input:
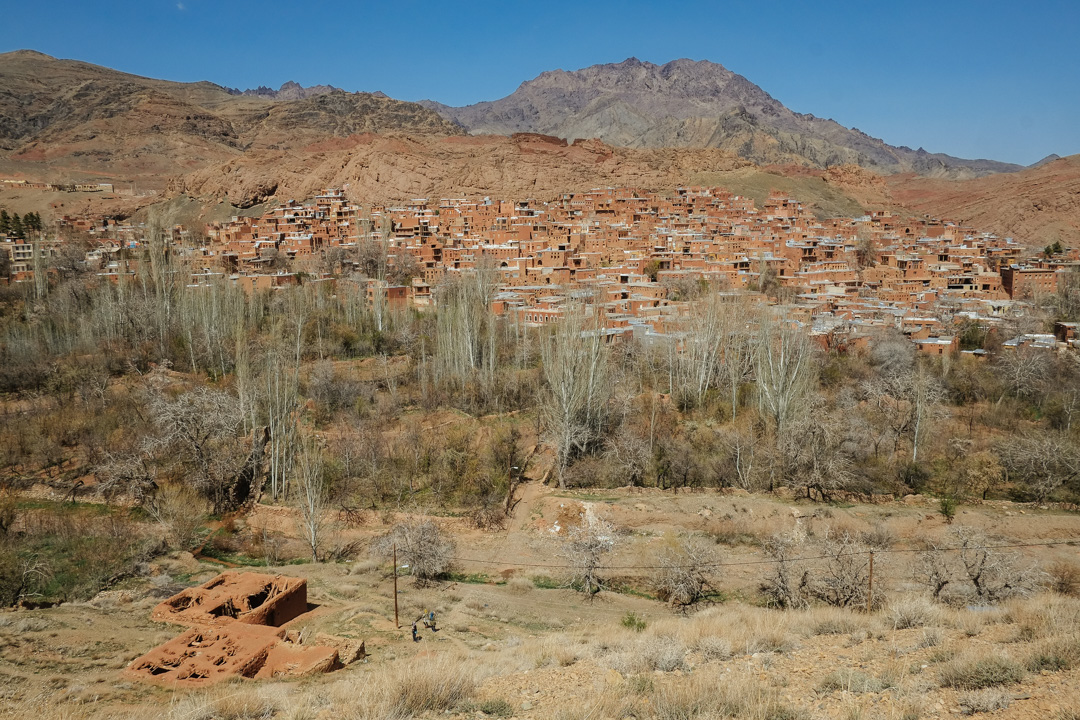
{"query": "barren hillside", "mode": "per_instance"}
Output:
(62, 120)
(1038, 206)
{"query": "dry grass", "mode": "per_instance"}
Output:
(1064, 578)
(1055, 654)
(975, 671)
(432, 685)
(700, 696)
(853, 681)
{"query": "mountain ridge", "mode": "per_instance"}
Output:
(692, 103)
(63, 120)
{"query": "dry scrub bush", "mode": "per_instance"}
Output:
(840, 578)
(984, 701)
(701, 695)
(1055, 655)
(786, 584)
(519, 585)
(978, 671)
(714, 648)
(664, 653)
(559, 650)
(1064, 578)
(844, 578)
(228, 702)
(912, 612)
(833, 621)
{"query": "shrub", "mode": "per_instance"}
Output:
(545, 582)
(852, 681)
(1055, 655)
(519, 585)
(880, 538)
(976, 673)
(978, 572)
(1065, 578)
(947, 508)
(585, 547)
(632, 621)
(496, 708)
(984, 701)
(664, 653)
(785, 587)
(714, 648)
(911, 612)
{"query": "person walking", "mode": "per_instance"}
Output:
(415, 637)
(431, 620)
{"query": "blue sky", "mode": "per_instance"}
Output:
(975, 79)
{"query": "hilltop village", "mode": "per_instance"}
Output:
(638, 256)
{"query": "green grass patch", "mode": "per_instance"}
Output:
(470, 578)
(216, 553)
(545, 582)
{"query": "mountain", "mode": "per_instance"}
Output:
(1048, 159)
(1038, 206)
(288, 91)
(64, 120)
(687, 103)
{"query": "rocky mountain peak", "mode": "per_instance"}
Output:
(690, 103)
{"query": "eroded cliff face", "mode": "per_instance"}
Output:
(378, 168)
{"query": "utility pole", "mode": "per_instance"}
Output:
(869, 591)
(396, 623)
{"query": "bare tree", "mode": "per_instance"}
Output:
(904, 402)
(784, 371)
(844, 578)
(737, 364)
(786, 586)
(198, 431)
(1043, 461)
(422, 548)
(684, 573)
(972, 569)
(312, 496)
(812, 453)
(1024, 370)
(584, 547)
(696, 360)
(576, 370)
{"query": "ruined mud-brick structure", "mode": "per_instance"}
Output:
(237, 629)
(250, 598)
